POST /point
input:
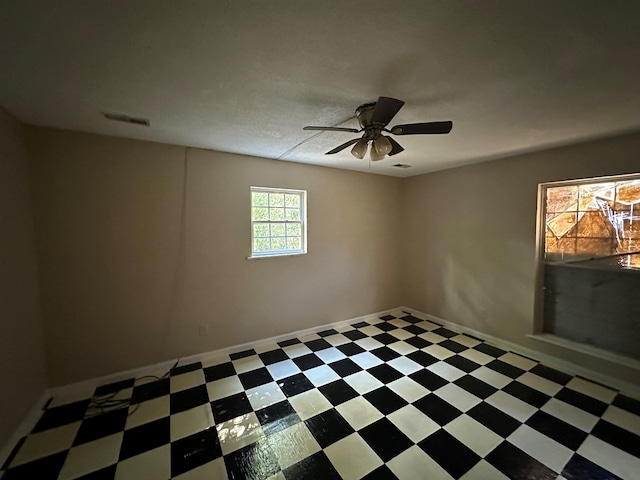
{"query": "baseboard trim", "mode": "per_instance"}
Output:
(87, 387)
(25, 427)
(624, 387)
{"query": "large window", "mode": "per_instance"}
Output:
(597, 221)
(278, 222)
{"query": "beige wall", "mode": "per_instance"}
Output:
(22, 365)
(471, 231)
(124, 285)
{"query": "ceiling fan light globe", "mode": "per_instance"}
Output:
(359, 150)
(375, 155)
(382, 145)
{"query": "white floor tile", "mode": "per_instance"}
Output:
(570, 414)
(446, 371)
(413, 423)
(337, 340)
(622, 418)
(283, 369)
(408, 389)
(309, 404)
(363, 382)
(352, 457)
(432, 337)
(371, 331)
(292, 444)
(476, 356)
(491, 377)
(247, 364)
(366, 360)
(46, 443)
(473, 434)
(400, 334)
(592, 389)
(267, 347)
(321, 375)
(187, 380)
(369, 343)
(511, 405)
(225, 387)
(191, 421)
(439, 352)
(265, 395)
(611, 458)
(403, 348)
(541, 384)
(458, 397)
(297, 350)
(152, 464)
(518, 361)
(91, 456)
(359, 412)
(414, 464)
(484, 471)
(466, 341)
(405, 365)
(542, 448)
(148, 411)
(427, 325)
(329, 355)
(239, 432)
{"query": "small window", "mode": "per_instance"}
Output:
(278, 222)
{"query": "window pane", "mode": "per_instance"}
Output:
(260, 230)
(261, 245)
(276, 214)
(293, 214)
(259, 199)
(259, 214)
(293, 243)
(278, 230)
(276, 199)
(278, 243)
(293, 230)
(292, 200)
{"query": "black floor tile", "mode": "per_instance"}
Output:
(12, 455)
(453, 346)
(288, 343)
(428, 379)
(151, 390)
(387, 317)
(191, 367)
(476, 386)
(146, 437)
(327, 333)
(423, 358)
(412, 319)
(255, 378)
(443, 332)
(307, 362)
(495, 420)
(618, 437)
(295, 385)
(191, 452)
(315, 467)
(277, 417)
(46, 468)
(328, 427)
(351, 349)
(579, 468)
(253, 462)
(505, 368)
(338, 392)
(62, 415)
(385, 338)
(551, 374)
(230, 407)
(218, 372)
(360, 325)
(489, 350)
(274, 356)
(354, 335)
(462, 363)
(451, 454)
(381, 473)
(107, 473)
(101, 426)
(113, 387)
(526, 394)
(517, 465)
(437, 409)
(627, 403)
(345, 367)
(319, 344)
(189, 398)
(385, 439)
(385, 353)
(243, 354)
(385, 373)
(416, 330)
(418, 342)
(563, 433)
(385, 400)
(580, 400)
(386, 326)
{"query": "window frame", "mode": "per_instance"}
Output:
(302, 222)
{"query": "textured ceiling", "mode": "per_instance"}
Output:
(246, 76)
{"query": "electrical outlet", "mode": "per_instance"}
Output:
(203, 330)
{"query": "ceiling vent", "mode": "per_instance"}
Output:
(119, 117)
(401, 165)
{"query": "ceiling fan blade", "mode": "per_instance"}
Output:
(339, 148)
(422, 128)
(386, 108)
(332, 129)
(397, 148)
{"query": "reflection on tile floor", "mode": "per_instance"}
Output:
(394, 397)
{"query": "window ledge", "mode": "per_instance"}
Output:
(271, 255)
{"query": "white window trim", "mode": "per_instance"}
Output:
(302, 222)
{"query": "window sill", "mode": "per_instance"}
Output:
(272, 255)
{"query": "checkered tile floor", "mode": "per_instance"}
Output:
(395, 397)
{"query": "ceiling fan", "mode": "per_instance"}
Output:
(374, 118)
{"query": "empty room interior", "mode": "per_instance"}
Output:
(319, 240)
